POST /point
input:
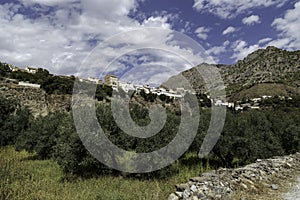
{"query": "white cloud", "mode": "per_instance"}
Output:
(46, 2)
(217, 50)
(231, 8)
(264, 40)
(228, 30)
(289, 29)
(202, 32)
(159, 21)
(288, 38)
(62, 37)
(241, 49)
(226, 43)
(251, 20)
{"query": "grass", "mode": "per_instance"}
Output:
(23, 177)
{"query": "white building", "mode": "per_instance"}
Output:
(26, 84)
(31, 70)
(126, 86)
(111, 80)
(95, 80)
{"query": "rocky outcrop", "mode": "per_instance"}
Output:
(223, 183)
(35, 99)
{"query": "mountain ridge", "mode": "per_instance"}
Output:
(270, 65)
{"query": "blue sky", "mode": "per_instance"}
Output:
(70, 36)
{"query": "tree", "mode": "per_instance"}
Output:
(13, 120)
(41, 135)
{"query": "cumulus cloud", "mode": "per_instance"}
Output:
(217, 50)
(60, 37)
(202, 32)
(241, 49)
(231, 8)
(64, 33)
(159, 21)
(251, 20)
(228, 30)
(289, 28)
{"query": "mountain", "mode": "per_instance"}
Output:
(269, 71)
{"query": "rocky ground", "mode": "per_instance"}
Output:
(294, 193)
(264, 179)
(35, 99)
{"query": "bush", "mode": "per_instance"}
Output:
(13, 121)
(41, 135)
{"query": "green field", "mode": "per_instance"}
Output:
(23, 177)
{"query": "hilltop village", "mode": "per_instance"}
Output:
(113, 82)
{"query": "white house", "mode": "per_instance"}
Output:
(31, 70)
(95, 80)
(26, 84)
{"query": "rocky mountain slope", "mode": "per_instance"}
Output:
(270, 65)
(36, 99)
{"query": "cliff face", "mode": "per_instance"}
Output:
(35, 99)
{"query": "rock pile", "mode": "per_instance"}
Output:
(222, 183)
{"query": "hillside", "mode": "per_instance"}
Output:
(270, 65)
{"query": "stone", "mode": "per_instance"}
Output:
(274, 187)
(195, 198)
(248, 182)
(244, 186)
(201, 195)
(197, 179)
(194, 188)
(173, 197)
(182, 187)
(179, 194)
(186, 193)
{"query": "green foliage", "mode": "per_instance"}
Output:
(277, 102)
(13, 120)
(257, 134)
(103, 91)
(58, 85)
(151, 97)
(166, 98)
(4, 69)
(51, 84)
(41, 135)
(246, 136)
(203, 100)
(22, 177)
(69, 151)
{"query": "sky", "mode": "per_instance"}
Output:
(141, 39)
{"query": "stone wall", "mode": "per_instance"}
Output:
(223, 183)
(35, 99)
